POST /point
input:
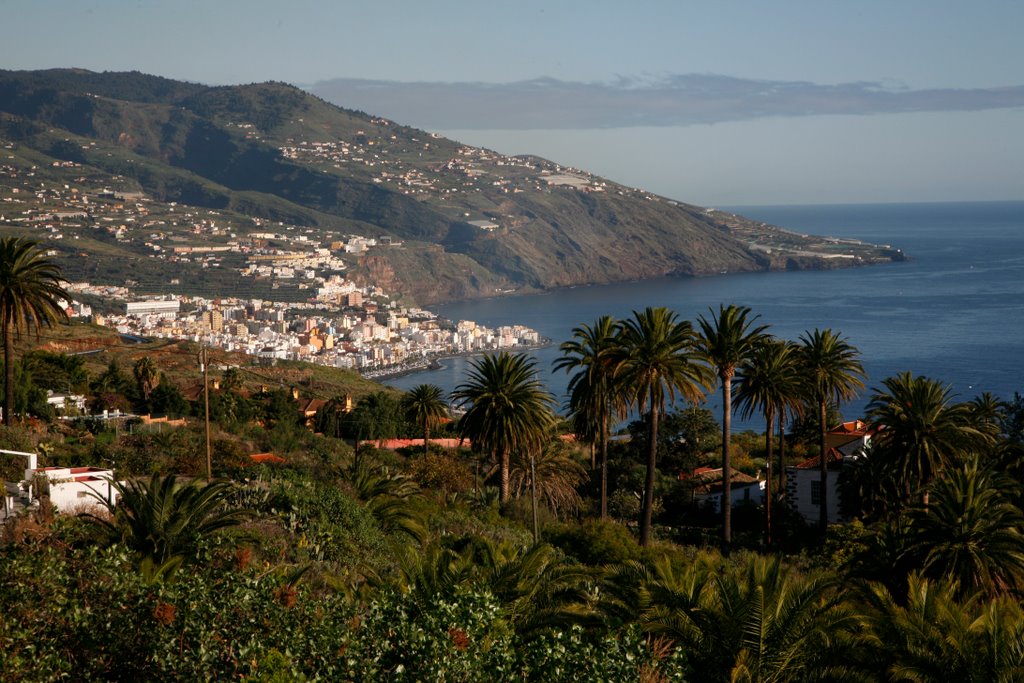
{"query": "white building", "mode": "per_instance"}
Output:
(75, 489)
(62, 402)
(743, 488)
(844, 443)
(70, 489)
(163, 307)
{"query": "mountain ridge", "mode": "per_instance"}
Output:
(472, 222)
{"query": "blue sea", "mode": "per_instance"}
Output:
(954, 312)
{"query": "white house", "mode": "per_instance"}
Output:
(61, 402)
(74, 489)
(844, 443)
(707, 488)
(70, 489)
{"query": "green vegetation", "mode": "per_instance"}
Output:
(504, 560)
(30, 294)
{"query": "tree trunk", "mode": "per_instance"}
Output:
(604, 467)
(769, 429)
(8, 332)
(823, 498)
(426, 439)
(726, 376)
(533, 498)
(780, 515)
(652, 463)
(782, 453)
(505, 489)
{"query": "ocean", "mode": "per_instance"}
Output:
(953, 312)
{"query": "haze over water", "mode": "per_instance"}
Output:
(955, 312)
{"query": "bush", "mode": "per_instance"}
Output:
(594, 542)
(441, 472)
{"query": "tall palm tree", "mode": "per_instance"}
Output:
(146, 376)
(593, 399)
(656, 359)
(507, 408)
(833, 373)
(424, 405)
(727, 340)
(30, 293)
(923, 430)
(769, 382)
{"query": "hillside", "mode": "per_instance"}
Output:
(456, 221)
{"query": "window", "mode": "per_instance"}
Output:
(815, 493)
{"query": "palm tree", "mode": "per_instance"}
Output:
(536, 586)
(655, 358)
(869, 485)
(554, 473)
(592, 394)
(759, 621)
(769, 381)
(161, 519)
(923, 431)
(146, 376)
(988, 409)
(424, 406)
(833, 373)
(933, 638)
(726, 341)
(507, 408)
(390, 498)
(971, 533)
(30, 295)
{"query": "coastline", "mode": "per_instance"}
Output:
(433, 361)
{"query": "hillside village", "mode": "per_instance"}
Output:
(340, 324)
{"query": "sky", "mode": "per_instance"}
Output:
(723, 103)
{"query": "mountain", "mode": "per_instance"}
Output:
(452, 221)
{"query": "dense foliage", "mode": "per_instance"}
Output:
(342, 560)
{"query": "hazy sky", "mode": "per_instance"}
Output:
(716, 103)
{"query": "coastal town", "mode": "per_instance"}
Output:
(311, 311)
(351, 331)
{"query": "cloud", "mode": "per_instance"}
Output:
(680, 100)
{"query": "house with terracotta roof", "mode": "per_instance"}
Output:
(844, 444)
(708, 485)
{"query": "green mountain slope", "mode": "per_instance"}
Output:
(473, 222)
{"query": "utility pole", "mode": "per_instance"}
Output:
(204, 364)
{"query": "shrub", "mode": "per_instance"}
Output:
(594, 542)
(441, 472)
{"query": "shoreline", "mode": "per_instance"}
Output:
(433, 361)
(823, 263)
